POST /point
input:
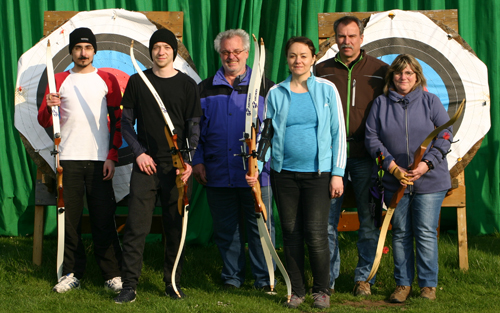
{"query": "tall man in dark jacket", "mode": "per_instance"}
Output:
(359, 79)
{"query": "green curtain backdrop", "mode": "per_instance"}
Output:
(275, 21)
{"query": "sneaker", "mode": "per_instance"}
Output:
(114, 284)
(362, 288)
(400, 294)
(169, 291)
(321, 300)
(126, 295)
(428, 293)
(66, 283)
(295, 301)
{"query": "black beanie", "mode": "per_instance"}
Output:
(163, 35)
(82, 34)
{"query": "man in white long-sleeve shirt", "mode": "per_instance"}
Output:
(88, 152)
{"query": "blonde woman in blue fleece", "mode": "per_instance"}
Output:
(308, 158)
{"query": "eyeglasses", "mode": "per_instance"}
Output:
(407, 74)
(226, 53)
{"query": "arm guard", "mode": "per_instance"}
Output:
(192, 136)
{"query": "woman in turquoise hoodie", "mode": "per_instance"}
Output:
(308, 157)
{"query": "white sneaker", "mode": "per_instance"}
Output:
(66, 283)
(114, 284)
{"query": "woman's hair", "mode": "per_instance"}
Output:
(308, 42)
(398, 65)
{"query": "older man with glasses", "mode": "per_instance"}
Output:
(223, 99)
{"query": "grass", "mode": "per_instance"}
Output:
(25, 287)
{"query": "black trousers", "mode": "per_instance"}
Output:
(85, 177)
(303, 205)
(143, 192)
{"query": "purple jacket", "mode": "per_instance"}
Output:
(397, 126)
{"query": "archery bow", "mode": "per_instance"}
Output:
(178, 162)
(56, 126)
(417, 157)
(250, 138)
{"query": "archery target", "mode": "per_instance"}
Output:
(114, 30)
(453, 73)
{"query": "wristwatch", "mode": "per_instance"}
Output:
(429, 164)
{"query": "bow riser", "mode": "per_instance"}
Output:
(252, 170)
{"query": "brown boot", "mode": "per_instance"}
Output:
(362, 288)
(428, 293)
(400, 294)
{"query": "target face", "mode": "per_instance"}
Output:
(452, 72)
(114, 30)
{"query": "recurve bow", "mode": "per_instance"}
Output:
(56, 126)
(250, 138)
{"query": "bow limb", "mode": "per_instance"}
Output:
(417, 157)
(185, 214)
(266, 239)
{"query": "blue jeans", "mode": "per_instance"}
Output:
(233, 211)
(360, 171)
(416, 217)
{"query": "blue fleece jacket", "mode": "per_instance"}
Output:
(397, 125)
(331, 136)
(222, 125)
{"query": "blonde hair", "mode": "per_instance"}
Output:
(398, 65)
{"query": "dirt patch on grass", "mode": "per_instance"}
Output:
(368, 305)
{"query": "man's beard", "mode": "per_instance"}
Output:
(78, 64)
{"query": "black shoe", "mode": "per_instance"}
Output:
(169, 291)
(126, 295)
(229, 286)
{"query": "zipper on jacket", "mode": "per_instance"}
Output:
(348, 99)
(353, 92)
(410, 187)
(317, 115)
